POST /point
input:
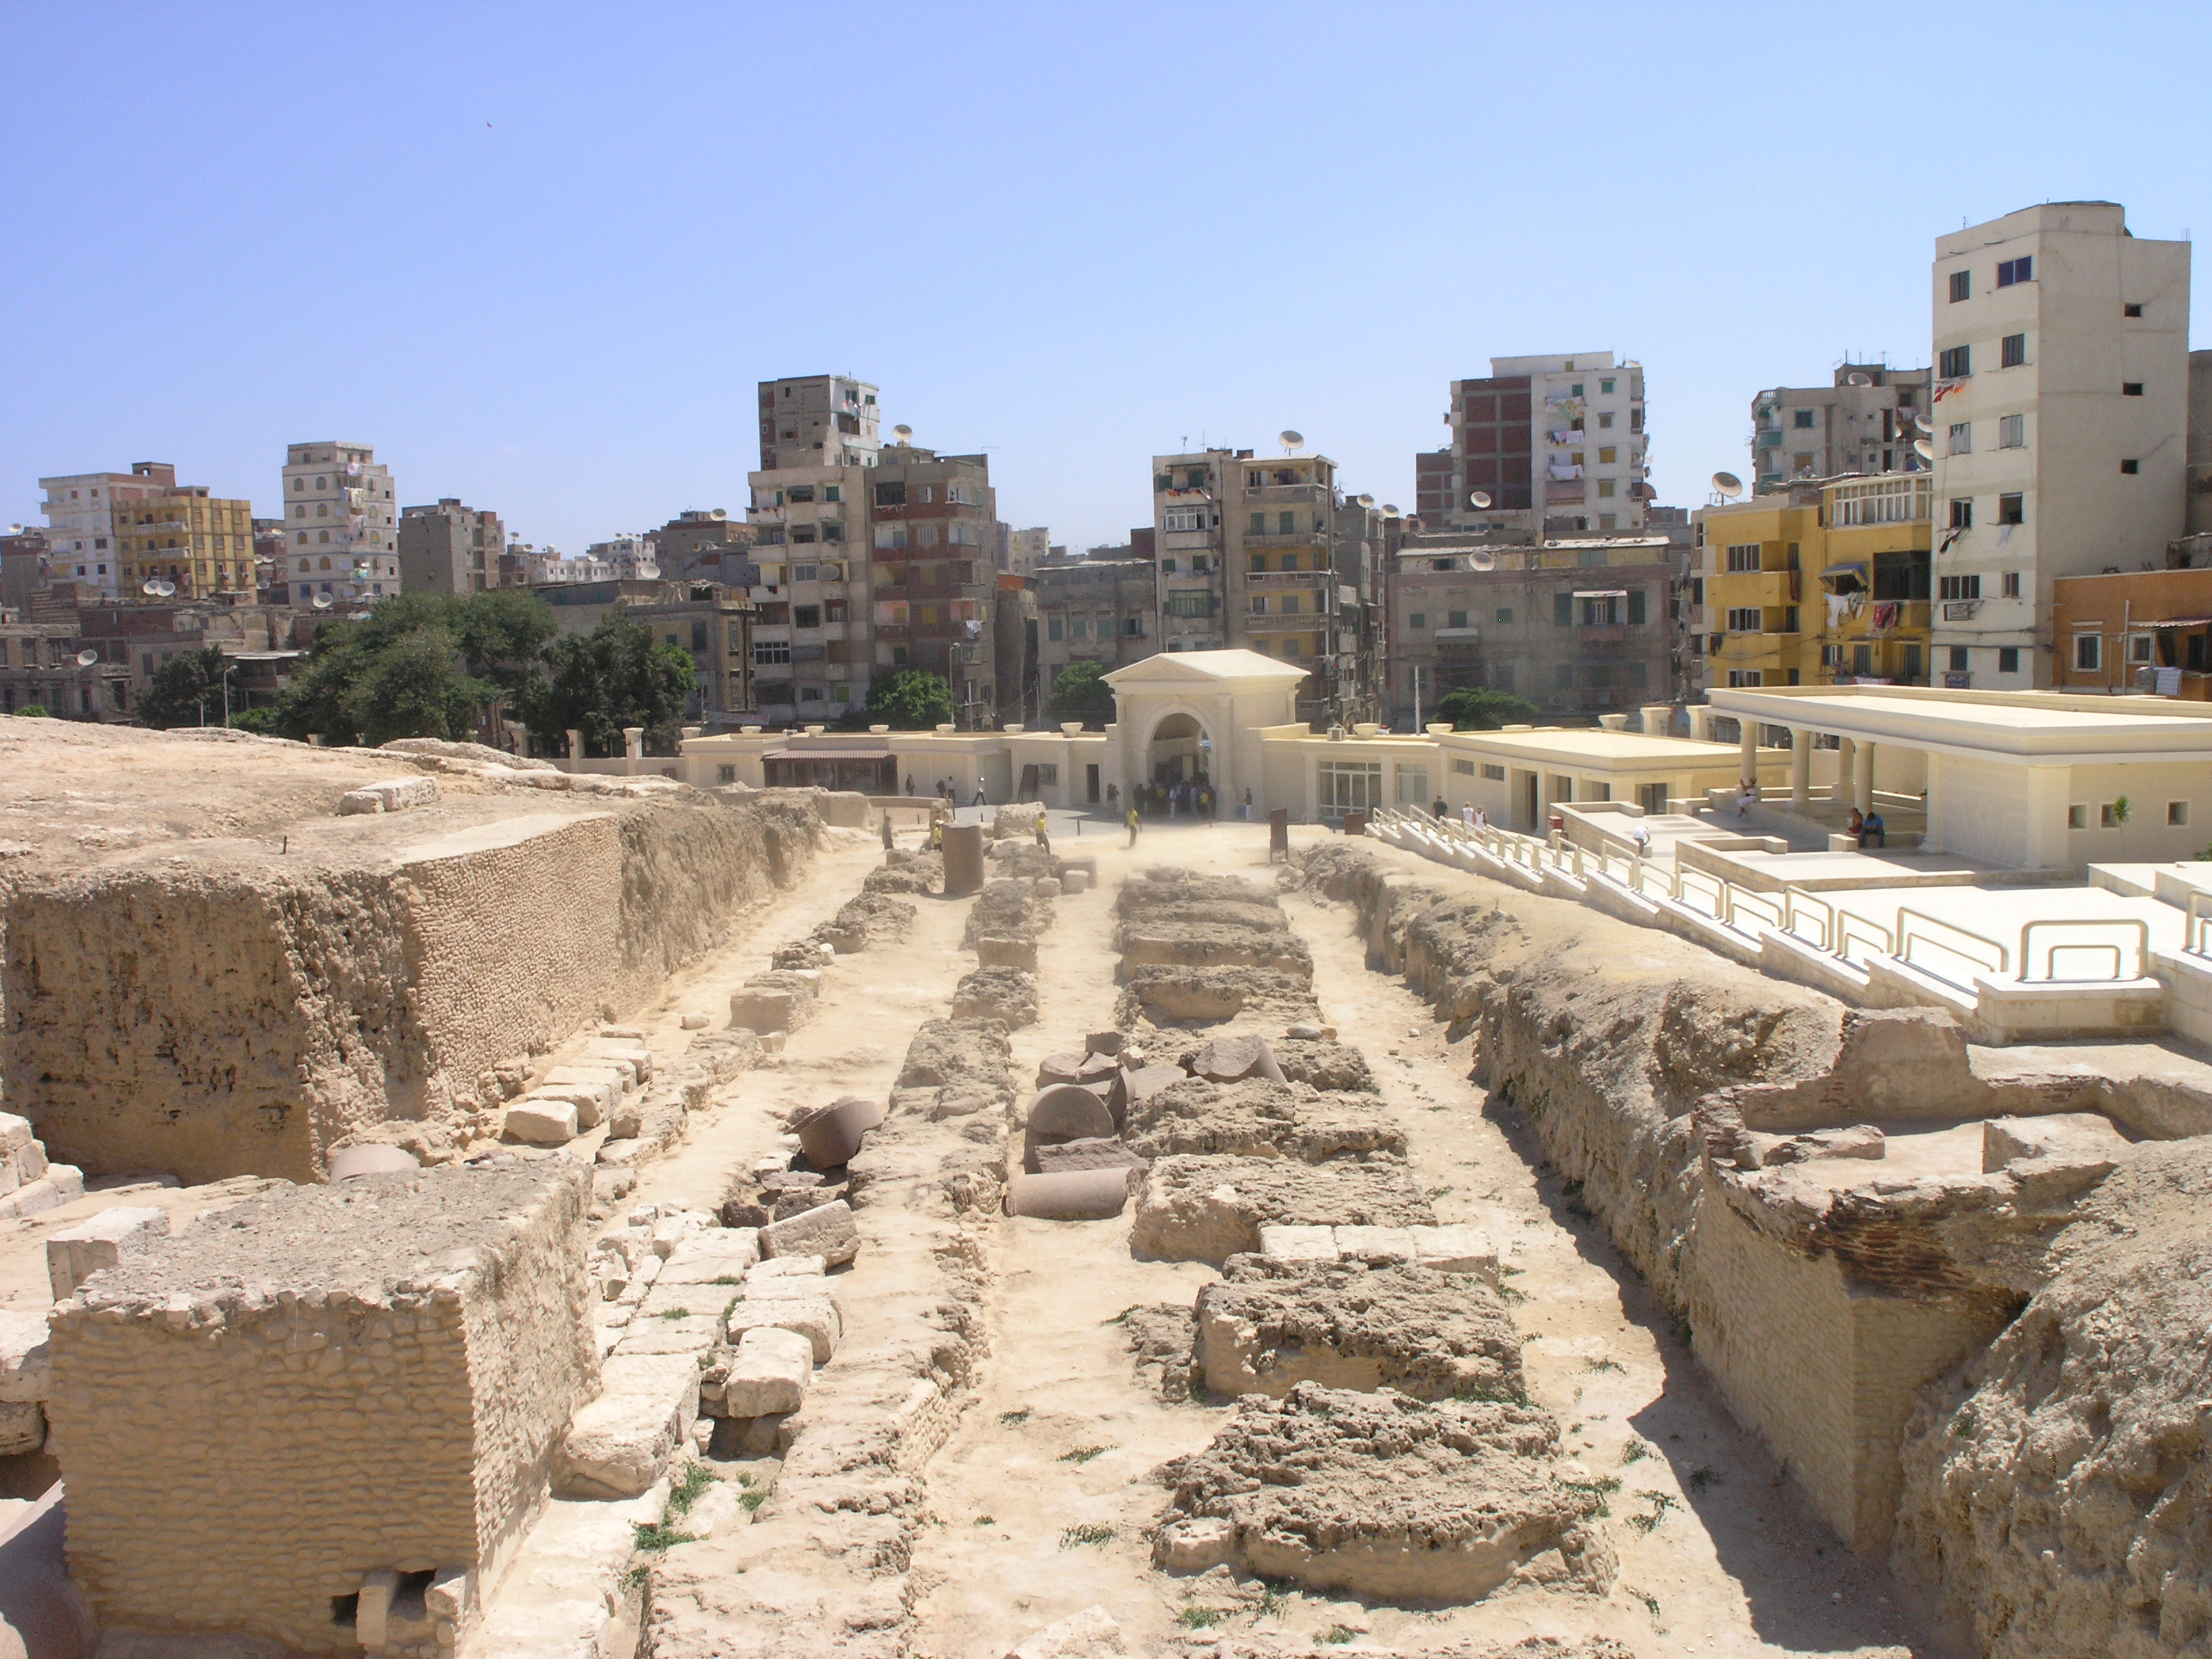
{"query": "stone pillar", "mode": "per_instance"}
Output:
(1701, 722)
(1863, 777)
(1931, 836)
(1658, 719)
(1610, 722)
(1841, 794)
(634, 743)
(521, 738)
(1750, 747)
(575, 743)
(1801, 769)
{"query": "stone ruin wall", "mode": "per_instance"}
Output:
(308, 1434)
(251, 1015)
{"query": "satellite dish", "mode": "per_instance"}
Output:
(1728, 484)
(1480, 499)
(648, 572)
(1482, 559)
(1413, 521)
(1858, 378)
(1366, 501)
(322, 601)
(903, 433)
(86, 659)
(1390, 511)
(1923, 449)
(149, 588)
(1292, 441)
(165, 587)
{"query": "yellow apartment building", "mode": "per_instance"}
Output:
(203, 542)
(1820, 583)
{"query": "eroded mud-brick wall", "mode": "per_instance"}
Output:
(308, 1388)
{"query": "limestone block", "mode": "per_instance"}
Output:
(996, 952)
(669, 1233)
(697, 1019)
(63, 1184)
(781, 1000)
(769, 1374)
(787, 1267)
(1281, 1243)
(542, 1123)
(711, 1253)
(814, 1317)
(1376, 1246)
(616, 1081)
(827, 1230)
(15, 1134)
(583, 1101)
(797, 1289)
(392, 795)
(1197, 1545)
(1090, 1634)
(622, 1067)
(2069, 1137)
(73, 1255)
(1075, 881)
(689, 1324)
(1093, 1153)
(26, 1362)
(634, 1033)
(634, 1054)
(1457, 1250)
(620, 1443)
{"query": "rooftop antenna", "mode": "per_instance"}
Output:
(1292, 441)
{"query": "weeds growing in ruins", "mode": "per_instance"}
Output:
(1638, 1450)
(1274, 1598)
(1015, 1420)
(986, 1520)
(1089, 1532)
(1486, 1393)
(1084, 1454)
(655, 1536)
(1611, 1366)
(1660, 1502)
(1601, 1488)
(1963, 1427)
(676, 1313)
(688, 1487)
(1200, 1618)
(1650, 1601)
(728, 1279)
(1701, 1477)
(1337, 1635)
(752, 1500)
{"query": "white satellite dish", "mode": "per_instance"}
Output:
(648, 572)
(165, 587)
(903, 433)
(1292, 441)
(1366, 501)
(86, 659)
(1858, 378)
(1389, 510)
(1480, 499)
(149, 588)
(322, 601)
(1923, 449)
(1482, 559)
(1728, 484)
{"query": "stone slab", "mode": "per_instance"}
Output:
(814, 1317)
(769, 1374)
(619, 1445)
(827, 1230)
(542, 1123)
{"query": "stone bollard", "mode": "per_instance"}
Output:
(964, 860)
(634, 743)
(575, 743)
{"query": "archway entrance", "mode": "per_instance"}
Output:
(1180, 752)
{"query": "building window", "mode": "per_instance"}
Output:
(2077, 818)
(1962, 285)
(1962, 512)
(2012, 509)
(2009, 585)
(1803, 418)
(1605, 387)
(2130, 467)
(2021, 270)
(1747, 676)
(1605, 487)
(2011, 432)
(2138, 648)
(1960, 587)
(1745, 619)
(1183, 518)
(2088, 652)
(1743, 557)
(2130, 311)
(890, 495)
(1958, 660)
(1494, 772)
(2013, 351)
(2108, 816)
(2131, 388)
(2177, 813)
(771, 651)
(1417, 619)
(1962, 438)
(1956, 364)
(2008, 660)
(1455, 619)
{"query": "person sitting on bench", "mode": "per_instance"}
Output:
(1874, 830)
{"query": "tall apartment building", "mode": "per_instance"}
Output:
(1863, 424)
(1026, 550)
(203, 542)
(344, 517)
(1559, 445)
(2061, 410)
(636, 557)
(816, 420)
(449, 548)
(1099, 608)
(934, 521)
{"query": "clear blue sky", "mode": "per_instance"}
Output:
(539, 255)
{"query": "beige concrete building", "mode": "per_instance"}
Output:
(1865, 423)
(449, 548)
(1554, 446)
(2061, 420)
(81, 532)
(344, 517)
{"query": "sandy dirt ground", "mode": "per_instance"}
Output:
(1719, 1553)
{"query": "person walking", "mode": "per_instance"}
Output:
(1245, 811)
(909, 785)
(887, 829)
(1043, 839)
(1438, 810)
(1467, 815)
(979, 798)
(1132, 825)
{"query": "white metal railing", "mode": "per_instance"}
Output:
(2134, 927)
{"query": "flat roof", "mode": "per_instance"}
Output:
(1631, 750)
(2044, 727)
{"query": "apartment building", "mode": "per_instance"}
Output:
(140, 637)
(25, 552)
(80, 510)
(2061, 406)
(1026, 550)
(1099, 607)
(1815, 583)
(110, 532)
(1558, 445)
(344, 516)
(1577, 625)
(450, 548)
(38, 669)
(816, 420)
(933, 522)
(711, 623)
(2134, 631)
(1866, 422)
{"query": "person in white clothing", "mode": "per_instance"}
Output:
(1481, 818)
(1467, 815)
(1642, 837)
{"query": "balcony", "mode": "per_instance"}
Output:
(1287, 539)
(1286, 578)
(1555, 492)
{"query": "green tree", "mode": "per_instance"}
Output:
(392, 673)
(34, 711)
(502, 633)
(1080, 693)
(614, 677)
(187, 691)
(1480, 708)
(910, 700)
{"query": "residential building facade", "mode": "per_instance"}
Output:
(449, 548)
(38, 669)
(2061, 408)
(1865, 423)
(1026, 550)
(634, 558)
(1816, 583)
(712, 622)
(344, 517)
(933, 522)
(111, 532)
(1555, 446)
(1092, 609)
(80, 510)
(2134, 631)
(816, 420)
